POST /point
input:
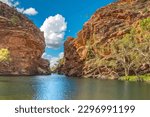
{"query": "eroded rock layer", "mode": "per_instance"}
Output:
(25, 43)
(108, 24)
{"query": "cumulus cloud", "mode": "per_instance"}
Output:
(20, 10)
(14, 3)
(30, 11)
(54, 28)
(11, 2)
(61, 55)
(53, 60)
(46, 56)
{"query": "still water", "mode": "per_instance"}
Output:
(59, 87)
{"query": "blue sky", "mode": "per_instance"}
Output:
(75, 13)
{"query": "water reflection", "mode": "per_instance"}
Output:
(57, 87)
(15, 88)
(54, 87)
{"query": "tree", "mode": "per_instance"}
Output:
(123, 52)
(4, 55)
(133, 49)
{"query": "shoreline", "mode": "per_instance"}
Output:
(133, 78)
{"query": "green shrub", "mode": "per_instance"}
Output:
(145, 10)
(4, 55)
(15, 20)
(1, 11)
(145, 24)
(143, 0)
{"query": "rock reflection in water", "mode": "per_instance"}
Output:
(59, 87)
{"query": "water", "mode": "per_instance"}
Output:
(58, 87)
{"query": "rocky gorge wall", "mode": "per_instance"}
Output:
(83, 54)
(24, 43)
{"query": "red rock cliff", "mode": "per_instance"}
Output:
(107, 24)
(25, 43)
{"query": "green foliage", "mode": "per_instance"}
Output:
(145, 24)
(1, 11)
(145, 10)
(59, 63)
(114, 6)
(127, 53)
(15, 20)
(145, 78)
(131, 54)
(4, 55)
(90, 53)
(143, 0)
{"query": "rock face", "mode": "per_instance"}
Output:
(25, 43)
(106, 25)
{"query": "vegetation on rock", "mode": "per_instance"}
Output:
(15, 20)
(21, 44)
(4, 55)
(145, 24)
(115, 42)
(60, 62)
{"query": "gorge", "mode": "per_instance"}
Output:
(113, 43)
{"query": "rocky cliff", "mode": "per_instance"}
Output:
(88, 54)
(21, 44)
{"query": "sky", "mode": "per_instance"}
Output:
(58, 19)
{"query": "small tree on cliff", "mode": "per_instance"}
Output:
(133, 49)
(4, 55)
(125, 53)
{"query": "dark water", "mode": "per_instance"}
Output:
(57, 87)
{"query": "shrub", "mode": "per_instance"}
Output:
(145, 10)
(144, 0)
(15, 20)
(4, 55)
(1, 11)
(145, 24)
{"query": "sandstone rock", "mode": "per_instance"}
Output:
(25, 43)
(107, 24)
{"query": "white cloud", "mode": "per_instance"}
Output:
(46, 56)
(30, 11)
(11, 2)
(14, 3)
(20, 10)
(53, 60)
(54, 28)
(61, 55)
